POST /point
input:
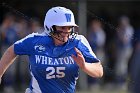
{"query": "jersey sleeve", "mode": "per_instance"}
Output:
(86, 50)
(23, 46)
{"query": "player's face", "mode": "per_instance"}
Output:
(64, 32)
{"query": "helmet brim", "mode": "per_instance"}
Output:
(67, 24)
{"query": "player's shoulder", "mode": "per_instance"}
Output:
(80, 38)
(36, 35)
(32, 37)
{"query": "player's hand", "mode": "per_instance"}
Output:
(79, 59)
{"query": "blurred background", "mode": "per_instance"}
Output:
(112, 28)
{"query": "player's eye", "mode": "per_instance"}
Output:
(64, 32)
(66, 28)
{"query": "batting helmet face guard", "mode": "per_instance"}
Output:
(58, 16)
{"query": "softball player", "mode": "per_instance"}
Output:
(55, 55)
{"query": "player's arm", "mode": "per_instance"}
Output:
(92, 69)
(7, 59)
(18, 48)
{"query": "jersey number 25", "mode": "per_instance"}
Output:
(58, 70)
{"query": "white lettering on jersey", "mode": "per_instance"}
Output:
(71, 60)
(60, 59)
(56, 62)
(38, 59)
(53, 61)
(49, 60)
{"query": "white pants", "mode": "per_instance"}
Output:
(28, 90)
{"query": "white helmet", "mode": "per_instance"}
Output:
(58, 16)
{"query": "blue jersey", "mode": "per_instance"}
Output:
(52, 68)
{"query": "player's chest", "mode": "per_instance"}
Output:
(49, 67)
(44, 60)
(49, 49)
(50, 59)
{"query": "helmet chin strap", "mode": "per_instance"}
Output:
(54, 32)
